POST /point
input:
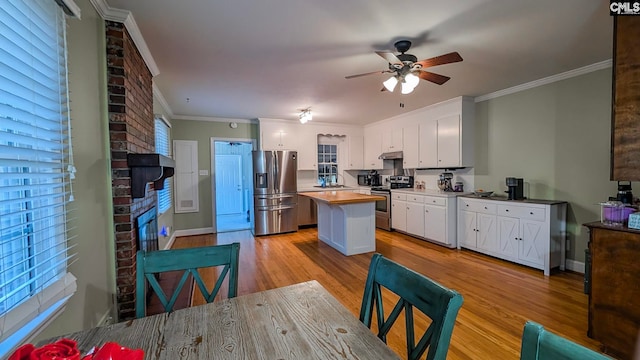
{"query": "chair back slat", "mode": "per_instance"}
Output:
(149, 264)
(440, 304)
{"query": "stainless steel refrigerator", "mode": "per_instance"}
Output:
(275, 190)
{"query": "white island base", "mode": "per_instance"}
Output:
(349, 228)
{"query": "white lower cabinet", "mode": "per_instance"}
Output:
(527, 233)
(427, 217)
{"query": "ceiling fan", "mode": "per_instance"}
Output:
(407, 70)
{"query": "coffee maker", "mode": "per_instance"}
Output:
(624, 192)
(516, 188)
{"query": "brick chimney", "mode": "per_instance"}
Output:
(131, 130)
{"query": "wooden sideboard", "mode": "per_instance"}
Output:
(625, 119)
(614, 296)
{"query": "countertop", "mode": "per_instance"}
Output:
(310, 188)
(340, 197)
(523, 201)
(430, 192)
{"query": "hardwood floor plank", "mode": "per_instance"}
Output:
(499, 297)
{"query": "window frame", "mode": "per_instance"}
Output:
(164, 195)
(36, 178)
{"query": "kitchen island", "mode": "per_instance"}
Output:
(346, 220)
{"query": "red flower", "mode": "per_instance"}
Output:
(114, 351)
(63, 349)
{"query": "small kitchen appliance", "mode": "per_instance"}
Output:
(516, 188)
(624, 192)
(444, 181)
(370, 179)
(400, 182)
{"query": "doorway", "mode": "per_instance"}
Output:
(232, 184)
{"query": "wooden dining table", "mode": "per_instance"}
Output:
(301, 321)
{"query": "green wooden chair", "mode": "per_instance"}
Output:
(150, 263)
(539, 344)
(440, 304)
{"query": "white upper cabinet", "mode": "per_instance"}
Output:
(410, 147)
(437, 136)
(278, 136)
(356, 153)
(372, 148)
(307, 148)
(392, 140)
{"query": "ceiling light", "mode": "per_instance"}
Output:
(410, 82)
(390, 83)
(305, 116)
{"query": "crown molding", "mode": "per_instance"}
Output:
(548, 80)
(162, 101)
(214, 119)
(126, 17)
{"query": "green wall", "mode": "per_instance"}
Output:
(93, 218)
(556, 137)
(202, 132)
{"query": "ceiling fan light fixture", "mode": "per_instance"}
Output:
(409, 83)
(305, 116)
(390, 83)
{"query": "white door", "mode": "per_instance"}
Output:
(467, 229)
(532, 244)
(435, 223)
(508, 237)
(486, 232)
(228, 177)
(415, 219)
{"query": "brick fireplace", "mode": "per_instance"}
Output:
(131, 130)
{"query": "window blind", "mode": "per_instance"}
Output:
(163, 147)
(35, 164)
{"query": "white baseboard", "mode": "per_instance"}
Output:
(188, 232)
(107, 318)
(573, 265)
(169, 244)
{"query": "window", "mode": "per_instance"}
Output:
(163, 148)
(35, 168)
(327, 164)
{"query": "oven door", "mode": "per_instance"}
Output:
(383, 210)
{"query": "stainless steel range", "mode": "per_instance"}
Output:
(383, 207)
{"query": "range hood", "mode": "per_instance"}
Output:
(393, 155)
(147, 168)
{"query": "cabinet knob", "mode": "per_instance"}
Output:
(520, 239)
(516, 238)
(507, 210)
(531, 213)
(467, 205)
(485, 208)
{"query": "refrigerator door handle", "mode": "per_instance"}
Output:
(276, 172)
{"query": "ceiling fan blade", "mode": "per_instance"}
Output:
(390, 57)
(434, 78)
(441, 60)
(365, 74)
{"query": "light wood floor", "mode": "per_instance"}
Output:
(499, 297)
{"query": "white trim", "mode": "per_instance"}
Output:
(73, 7)
(574, 265)
(215, 119)
(189, 232)
(548, 80)
(212, 152)
(163, 119)
(163, 102)
(170, 242)
(126, 17)
(107, 318)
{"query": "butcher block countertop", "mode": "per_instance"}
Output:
(341, 197)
